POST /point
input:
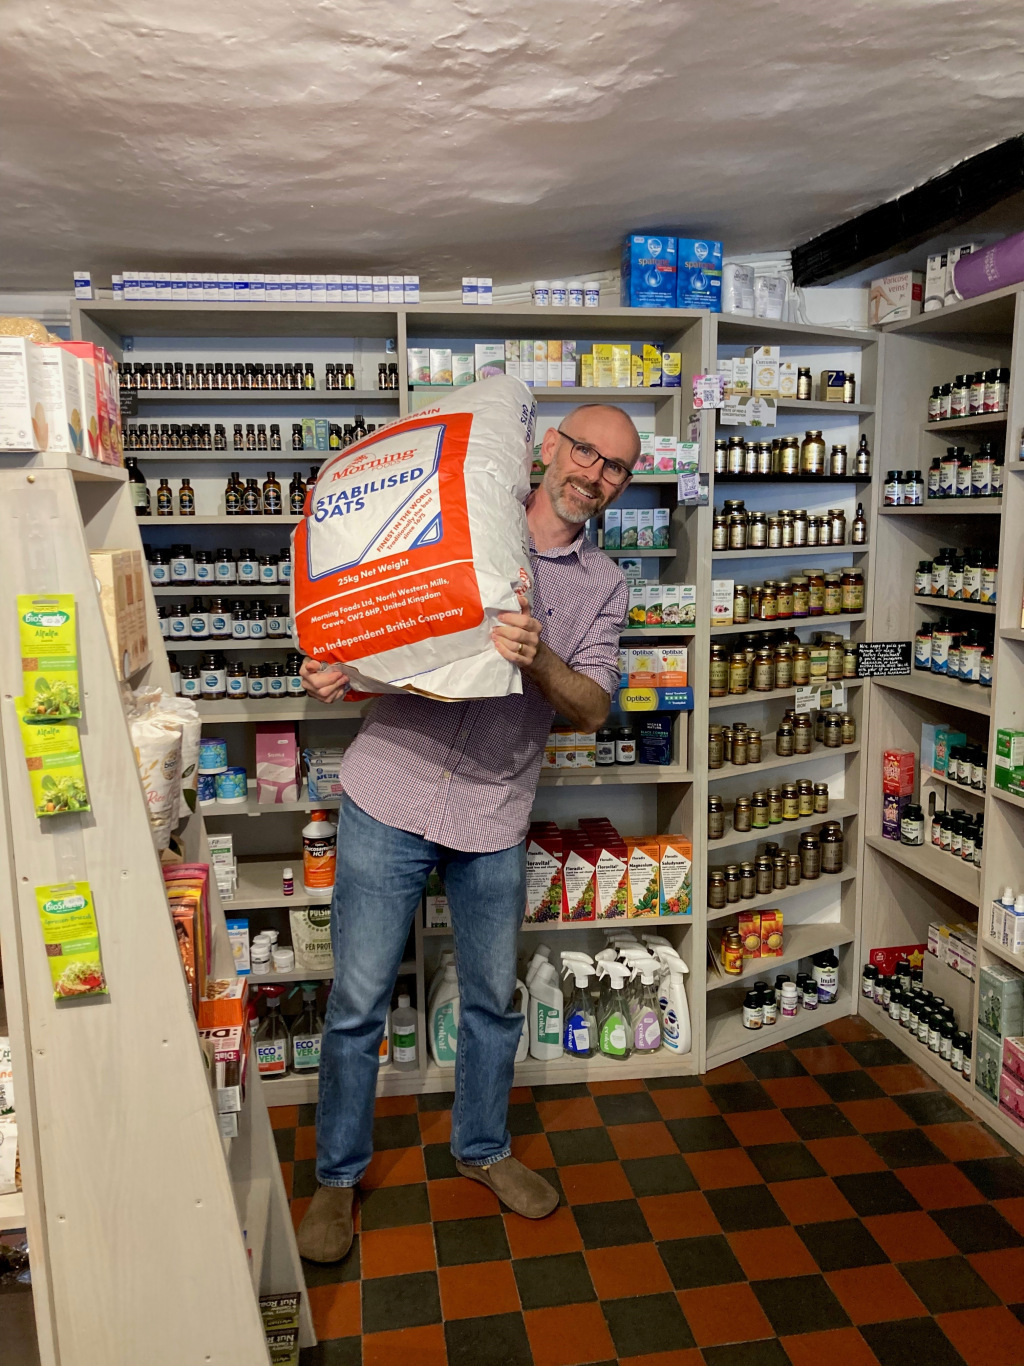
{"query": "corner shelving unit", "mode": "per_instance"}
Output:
(905, 889)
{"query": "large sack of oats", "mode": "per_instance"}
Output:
(413, 541)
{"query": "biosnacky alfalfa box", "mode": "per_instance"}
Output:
(49, 656)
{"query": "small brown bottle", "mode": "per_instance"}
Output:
(296, 495)
(859, 530)
(252, 503)
(164, 500)
(272, 504)
(233, 495)
(186, 500)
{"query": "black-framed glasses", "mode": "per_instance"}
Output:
(586, 456)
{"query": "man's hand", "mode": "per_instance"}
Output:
(517, 638)
(325, 682)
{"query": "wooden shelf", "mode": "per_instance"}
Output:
(584, 392)
(739, 699)
(224, 590)
(949, 507)
(987, 609)
(814, 405)
(261, 396)
(791, 552)
(770, 900)
(727, 1039)
(962, 879)
(1011, 633)
(556, 926)
(1015, 960)
(792, 480)
(837, 811)
(229, 713)
(736, 328)
(990, 315)
(938, 688)
(958, 788)
(796, 623)
(646, 632)
(12, 1210)
(980, 422)
(798, 941)
(82, 469)
(628, 775)
(773, 761)
(1010, 798)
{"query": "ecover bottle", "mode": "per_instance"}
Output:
(443, 1019)
(613, 1013)
(546, 1013)
(307, 1033)
(273, 1042)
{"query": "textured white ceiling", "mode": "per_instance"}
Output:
(463, 138)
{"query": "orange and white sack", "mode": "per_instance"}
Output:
(414, 540)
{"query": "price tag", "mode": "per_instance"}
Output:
(129, 400)
(708, 391)
(820, 697)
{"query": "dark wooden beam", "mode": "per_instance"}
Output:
(939, 205)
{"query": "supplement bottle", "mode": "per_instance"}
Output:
(319, 855)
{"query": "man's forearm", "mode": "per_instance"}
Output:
(578, 698)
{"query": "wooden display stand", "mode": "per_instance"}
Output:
(150, 1234)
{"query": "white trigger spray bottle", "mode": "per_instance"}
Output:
(644, 1016)
(579, 1035)
(675, 1011)
(613, 1012)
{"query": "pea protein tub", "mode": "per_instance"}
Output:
(72, 940)
(414, 539)
(53, 757)
(49, 656)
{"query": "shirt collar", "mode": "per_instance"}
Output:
(560, 552)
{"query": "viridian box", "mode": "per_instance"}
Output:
(699, 274)
(649, 271)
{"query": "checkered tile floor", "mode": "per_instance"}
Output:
(822, 1201)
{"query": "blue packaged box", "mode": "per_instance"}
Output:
(699, 274)
(648, 271)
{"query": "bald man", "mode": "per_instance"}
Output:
(450, 785)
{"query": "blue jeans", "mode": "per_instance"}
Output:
(378, 890)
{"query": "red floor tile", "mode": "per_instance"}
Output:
(875, 1116)
(940, 1186)
(1003, 1271)
(768, 1253)
(394, 1105)
(837, 1346)
(616, 1088)
(568, 1336)
(632, 1270)
(396, 1251)
(406, 1347)
(871, 1294)
(336, 1309)
(533, 1151)
(283, 1116)
(521, 1095)
(812, 1200)
(752, 1127)
(900, 1077)
(910, 1237)
(985, 1337)
(850, 1028)
(686, 1214)
(834, 1058)
(724, 1313)
(435, 1126)
(724, 1167)
(456, 1197)
(578, 1113)
(730, 1071)
(684, 1102)
(845, 1156)
(964, 1142)
(543, 1237)
(684, 1356)
(642, 1140)
(789, 1092)
(394, 1167)
(487, 1286)
(305, 1143)
(589, 1183)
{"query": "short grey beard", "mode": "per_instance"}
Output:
(557, 502)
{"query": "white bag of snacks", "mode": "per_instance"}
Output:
(157, 743)
(311, 937)
(415, 540)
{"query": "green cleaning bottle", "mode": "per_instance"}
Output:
(613, 1012)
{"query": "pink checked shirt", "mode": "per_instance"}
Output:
(464, 774)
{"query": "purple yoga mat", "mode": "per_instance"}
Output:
(994, 268)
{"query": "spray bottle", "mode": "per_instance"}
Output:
(644, 1018)
(613, 1013)
(579, 1035)
(546, 1012)
(273, 1044)
(307, 1033)
(675, 1011)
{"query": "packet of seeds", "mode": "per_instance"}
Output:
(72, 940)
(53, 757)
(49, 656)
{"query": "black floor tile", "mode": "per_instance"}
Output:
(307, 1115)
(815, 1037)
(736, 1096)
(876, 1052)
(334, 1273)
(647, 1324)
(664, 1175)
(460, 1241)
(784, 1161)
(837, 1245)
(439, 1100)
(800, 1304)
(819, 1121)
(284, 1142)
(628, 1107)
(569, 1090)
(396, 1131)
(931, 1107)
(439, 1161)
(697, 1262)
(997, 1178)
(946, 1284)
(672, 1083)
(304, 1180)
(393, 1206)
(547, 1281)
(703, 1134)
(1017, 1310)
(524, 1119)
(392, 1302)
(910, 1342)
(780, 1062)
(876, 1193)
(849, 1086)
(977, 1228)
(497, 1340)
(906, 1148)
(334, 1352)
(745, 1207)
(613, 1223)
(764, 1352)
(573, 1146)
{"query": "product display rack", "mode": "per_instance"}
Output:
(907, 888)
(123, 1163)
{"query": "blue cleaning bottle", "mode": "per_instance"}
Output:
(579, 1034)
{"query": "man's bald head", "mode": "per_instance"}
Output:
(611, 417)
